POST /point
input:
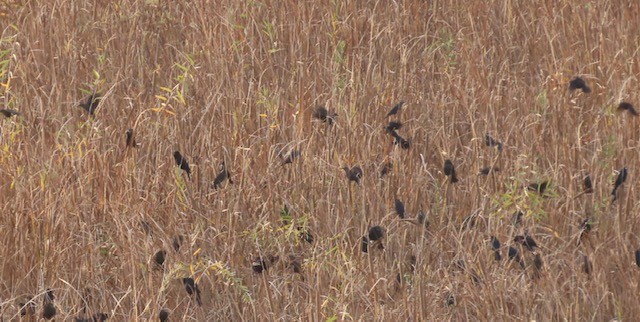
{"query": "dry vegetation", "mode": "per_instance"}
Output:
(238, 81)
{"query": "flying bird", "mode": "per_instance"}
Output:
(579, 83)
(450, 171)
(91, 103)
(625, 106)
(192, 288)
(323, 115)
(396, 109)
(354, 174)
(400, 208)
(222, 176)
(182, 163)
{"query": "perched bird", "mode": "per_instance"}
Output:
(526, 241)
(393, 126)
(399, 140)
(450, 171)
(222, 176)
(323, 115)
(396, 109)
(587, 266)
(491, 142)
(177, 242)
(622, 177)
(386, 169)
(288, 158)
(49, 311)
(538, 187)
(400, 208)
(376, 233)
(579, 83)
(497, 256)
(182, 163)
(516, 219)
(625, 106)
(259, 265)
(638, 257)
(91, 103)
(515, 255)
(9, 113)
(364, 246)
(486, 170)
(159, 258)
(495, 243)
(192, 288)
(131, 140)
(588, 185)
(353, 174)
(163, 315)
(450, 299)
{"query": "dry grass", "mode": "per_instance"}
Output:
(238, 81)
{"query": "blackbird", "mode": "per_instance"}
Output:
(396, 109)
(393, 126)
(131, 140)
(364, 246)
(159, 258)
(9, 113)
(588, 185)
(491, 142)
(376, 233)
(222, 176)
(622, 177)
(579, 83)
(450, 171)
(353, 174)
(495, 243)
(400, 208)
(163, 315)
(538, 187)
(638, 257)
(526, 241)
(49, 311)
(192, 288)
(399, 140)
(323, 115)
(625, 106)
(91, 103)
(182, 163)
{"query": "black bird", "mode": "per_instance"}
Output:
(495, 243)
(221, 177)
(305, 234)
(491, 142)
(159, 258)
(288, 158)
(516, 219)
(353, 174)
(399, 140)
(323, 115)
(192, 288)
(182, 163)
(386, 169)
(9, 113)
(259, 265)
(48, 296)
(393, 126)
(526, 241)
(587, 266)
(450, 171)
(364, 246)
(422, 219)
(396, 109)
(177, 242)
(451, 299)
(638, 257)
(588, 185)
(538, 187)
(163, 315)
(376, 233)
(585, 227)
(497, 256)
(91, 103)
(515, 255)
(49, 311)
(579, 83)
(622, 177)
(625, 106)
(400, 208)
(486, 170)
(131, 140)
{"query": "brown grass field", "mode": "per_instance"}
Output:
(82, 214)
